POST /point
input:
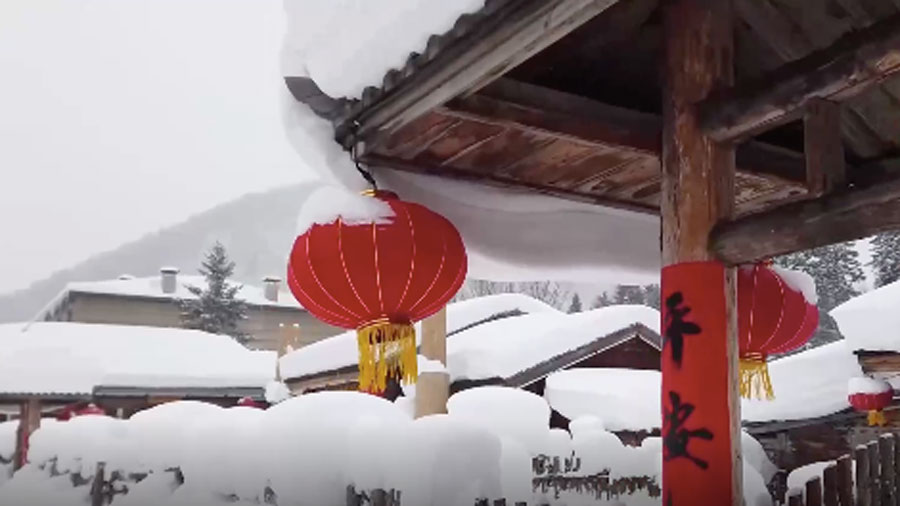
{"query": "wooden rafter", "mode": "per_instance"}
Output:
(517, 31)
(870, 207)
(826, 169)
(848, 67)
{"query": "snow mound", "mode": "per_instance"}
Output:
(506, 412)
(624, 399)
(869, 321)
(331, 203)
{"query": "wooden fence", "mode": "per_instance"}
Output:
(872, 481)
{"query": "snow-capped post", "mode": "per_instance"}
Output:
(376, 264)
(700, 400)
(29, 421)
(433, 387)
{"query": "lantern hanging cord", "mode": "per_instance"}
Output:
(355, 156)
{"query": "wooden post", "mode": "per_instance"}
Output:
(29, 421)
(830, 496)
(814, 492)
(701, 405)
(874, 473)
(433, 388)
(824, 148)
(887, 470)
(795, 499)
(98, 486)
(863, 485)
(845, 480)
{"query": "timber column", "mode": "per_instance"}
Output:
(433, 388)
(700, 401)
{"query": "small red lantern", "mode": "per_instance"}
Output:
(871, 395)
(773, 317)
(378, 278)
(248, 402)
(90, 409)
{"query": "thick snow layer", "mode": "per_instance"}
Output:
(73, 358)
(151, 287)
(341, 44)
(510, 235)
(277, 391)
(330, 203)
(342, 349)
(507, 412)
(505, 347)
(809, 384)
(796, 480)
(623, 399)
(866, 385)
(799, 281)
(870, 321)
(755, 457)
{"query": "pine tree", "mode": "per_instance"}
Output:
(217, 309)
(652, 296)
(886, 258)
(647, 295)
(575, 307)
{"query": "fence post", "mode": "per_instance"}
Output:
(874, 472)
(500, 502)
(863, 484)
(886, 450)
(98, 488)
(814, 492)
(795, 499)
(830, 486)
(845, 480)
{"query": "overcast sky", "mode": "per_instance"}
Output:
(120, 117)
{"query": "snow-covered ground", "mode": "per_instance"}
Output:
(306, 450)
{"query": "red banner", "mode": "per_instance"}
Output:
(697, 463)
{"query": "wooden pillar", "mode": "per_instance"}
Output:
(288, 340)
(433, 388)
(29, 421)
(700, 400)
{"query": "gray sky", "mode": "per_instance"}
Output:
(120, 117)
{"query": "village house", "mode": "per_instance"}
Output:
(152, 301)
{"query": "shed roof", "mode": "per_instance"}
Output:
(62, 359)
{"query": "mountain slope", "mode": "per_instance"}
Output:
(257, 230)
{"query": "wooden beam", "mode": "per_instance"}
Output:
(29, 421)
(433, 388)
(699, 372)
(826, 169)
(505, 38)
(525, 106)
(845, 69)
(868, 208)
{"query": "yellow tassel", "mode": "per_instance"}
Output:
(386, 350)
(877, 418)
(755, 380)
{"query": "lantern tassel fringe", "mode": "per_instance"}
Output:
(876, 417)
(755, 380)
(386, 350)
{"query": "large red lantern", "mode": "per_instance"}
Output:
(872, 396)
(774, 317)
(379, 277)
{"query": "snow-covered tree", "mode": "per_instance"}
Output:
(886, 257)
(549, 292)
(835, 268)
(647, 295)
(575, 307)
(217, 309)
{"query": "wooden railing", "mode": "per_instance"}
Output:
(873, 481)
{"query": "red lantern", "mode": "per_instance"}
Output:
(90, 409)
(773, 317)
(248, 402)
(871, 395)
(379, 278)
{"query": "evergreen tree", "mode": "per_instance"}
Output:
(835, 268)
(629, 294)
(216, 309)
(652, 296)
(575, 307)
(886, 258)
(647, 295)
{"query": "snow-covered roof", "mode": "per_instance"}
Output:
(510, 235)
(342, 350)
(497, 348)
(624, 399)
(809, 384)
(62, 358)
(152, 287)
(871, 321)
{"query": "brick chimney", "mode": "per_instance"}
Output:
(271, 287)
(168, 277)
